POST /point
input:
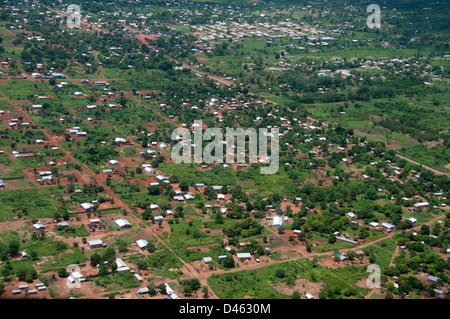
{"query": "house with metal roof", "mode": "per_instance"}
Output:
(421, 205)
(122, 223)
(149, 170)
(341, 256)
(39, 226)
(169, 290)
(120, 140)
(138, 278)
(86, 206)
(438, 292)
(244, 255)
(142, 291)
(96, 243)
(121, 265)
(388, 226)
(346, 240)
(277, 221)
(142, 243)
(76, 276)
(63, 224)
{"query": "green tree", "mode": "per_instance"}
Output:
(141, 264)
(122, 246)
(113, 266)
(205, 291)
(109, 255)
(13, 247)
(190, 285)
(103, 271)
(351, 255)
(184, 186)
(332, 239)
(296, 295)
(280, 273)
(228, 262)
(29, 278)
(95, 259)
(62, 273)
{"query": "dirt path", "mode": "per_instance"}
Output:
(187, 267)
(435, 171)
(393, 256)
(219, 79)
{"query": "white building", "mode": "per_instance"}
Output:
(121, 266)
(142, 243)
(123, 223)
(277, 221)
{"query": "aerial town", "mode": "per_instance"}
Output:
(93, 101)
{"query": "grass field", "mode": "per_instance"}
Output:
(256, 283)
(31, 201)
(260, 283)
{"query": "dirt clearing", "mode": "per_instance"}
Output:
(303, 286)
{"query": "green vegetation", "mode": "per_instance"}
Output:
(257, 283)
(362, 117)
(115, 281)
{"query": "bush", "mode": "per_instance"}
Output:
(228, 262)
(62, 273)
(190, 285)
(280, 273)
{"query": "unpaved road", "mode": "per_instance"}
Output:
(435, 171)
